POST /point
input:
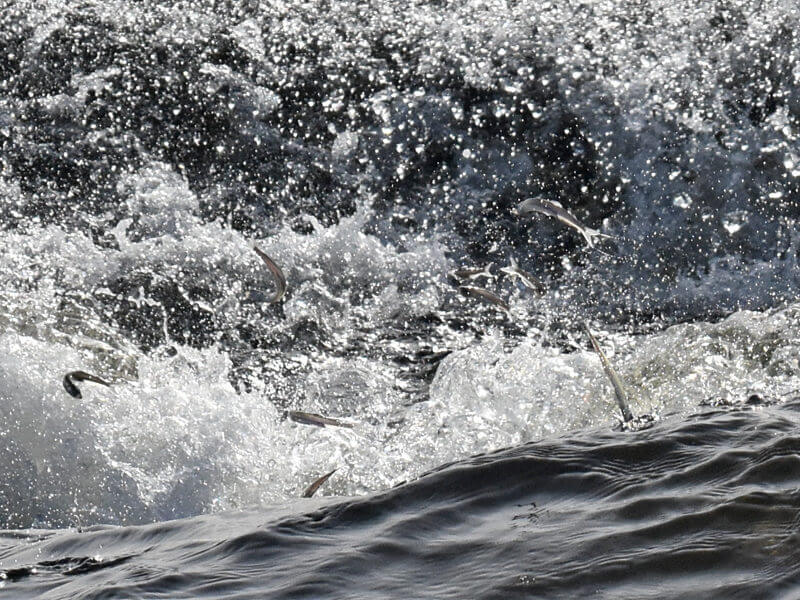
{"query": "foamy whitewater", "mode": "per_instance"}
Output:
(371, 150)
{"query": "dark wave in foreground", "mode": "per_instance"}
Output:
(704, 508)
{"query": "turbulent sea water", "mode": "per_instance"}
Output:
(371, 149)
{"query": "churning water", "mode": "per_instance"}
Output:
(371, 149)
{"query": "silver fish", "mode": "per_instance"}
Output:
(619, 389)
(472, 272)
(277, 274)
(514, 270)
(551, 208)
(306, 418)
(77, 376)
(310, 490)
(482, 294)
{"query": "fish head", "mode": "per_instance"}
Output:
(71, 388)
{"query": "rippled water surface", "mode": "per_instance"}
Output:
(704, 509)
(372, 150)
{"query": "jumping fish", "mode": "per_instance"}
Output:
(306, 418)
(619, 389)
(277, 274)
(551, 208)
(482, 294)
(514, 270)
(76, 376)
(310, 490)
(472, 272)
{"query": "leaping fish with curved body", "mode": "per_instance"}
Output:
(277, 274)
(316, 484)
(472, 272)
(485, 295)
(619, 389)
(551, 208)
(529, 281)
(76, 376)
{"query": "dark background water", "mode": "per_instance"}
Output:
(678, 127)
(705, 509)
(370, 149)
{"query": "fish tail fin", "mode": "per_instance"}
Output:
(511, 269)
(603, 252)
(590, 235)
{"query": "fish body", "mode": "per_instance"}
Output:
(551, 208)
(528, 280)
(77, 376)
(277, 274)
(307, 418)
(471, 273)
(484, 295)
(619, 388)
(310, 490)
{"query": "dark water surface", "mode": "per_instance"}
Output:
(707, 508)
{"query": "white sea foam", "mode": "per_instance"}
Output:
(178, 439)
(173, 437)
